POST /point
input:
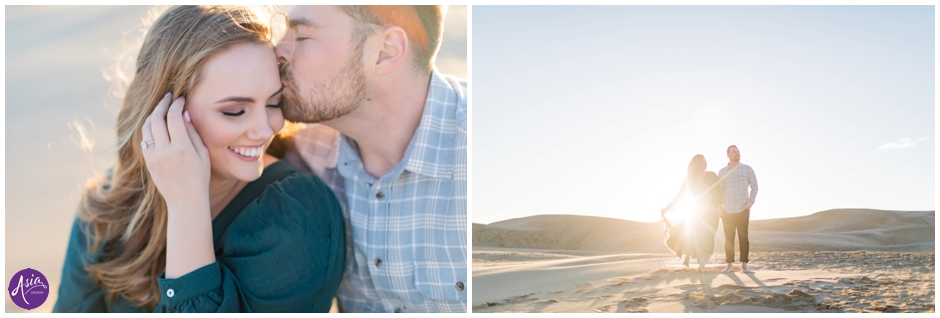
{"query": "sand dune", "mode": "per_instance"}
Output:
(832, 230)
(848, 260)
(570, 232)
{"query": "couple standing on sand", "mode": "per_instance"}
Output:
(725, 195)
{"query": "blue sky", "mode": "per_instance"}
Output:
(598, 110)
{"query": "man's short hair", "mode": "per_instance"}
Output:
(729, 148)
(423, 24)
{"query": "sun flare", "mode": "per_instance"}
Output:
(681, 211)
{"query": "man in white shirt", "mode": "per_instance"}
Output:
(735, 179)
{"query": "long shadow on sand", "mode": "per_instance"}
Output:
(642, 291)
(704, 286)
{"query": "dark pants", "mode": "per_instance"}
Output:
(735, 222)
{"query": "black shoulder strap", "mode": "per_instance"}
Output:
(275, 172)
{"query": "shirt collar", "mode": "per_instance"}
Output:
(431, 150)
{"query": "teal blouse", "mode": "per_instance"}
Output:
(285, 252)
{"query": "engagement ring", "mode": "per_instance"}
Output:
(144, 144)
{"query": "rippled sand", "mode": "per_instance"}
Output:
(509, 280)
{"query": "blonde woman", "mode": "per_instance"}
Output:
(701, 187)
(203, 110)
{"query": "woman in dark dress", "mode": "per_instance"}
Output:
(203, 109)
(702, 188)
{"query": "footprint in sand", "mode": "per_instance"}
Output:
(634, 304)
(486, 305)
(730, 287)
(619, 281)
(586, 288)
(546, 302)
(636, 300)
(688, 286)
(599, 297)
(604, 308)
(519, 299)
(795, 300)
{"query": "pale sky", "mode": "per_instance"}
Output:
(598, 110)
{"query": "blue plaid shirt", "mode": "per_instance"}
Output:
(406, 232)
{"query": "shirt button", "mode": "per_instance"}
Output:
(377, 262)
(459, 286)
(170, 293)
(397, 310)
(379, 196)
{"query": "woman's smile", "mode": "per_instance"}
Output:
(247, 153)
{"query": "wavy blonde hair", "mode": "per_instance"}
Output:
(125, 214)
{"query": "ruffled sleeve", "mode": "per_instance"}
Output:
(285, 252)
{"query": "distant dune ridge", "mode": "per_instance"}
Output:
(832, 230)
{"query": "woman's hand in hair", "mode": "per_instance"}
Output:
(178, 162)
(177, 159)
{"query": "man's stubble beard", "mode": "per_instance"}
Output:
(339, 96)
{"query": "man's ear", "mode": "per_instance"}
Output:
(392, 51)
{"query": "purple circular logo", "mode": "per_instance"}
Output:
(29, 289)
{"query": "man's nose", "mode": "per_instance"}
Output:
(282, 50)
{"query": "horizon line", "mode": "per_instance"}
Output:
(753, 219)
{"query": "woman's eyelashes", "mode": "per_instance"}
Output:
(273, 104)
(276, 102)
(239, 113)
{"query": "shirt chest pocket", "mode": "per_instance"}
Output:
(442, 282)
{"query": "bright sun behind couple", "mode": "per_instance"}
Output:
(681, 211)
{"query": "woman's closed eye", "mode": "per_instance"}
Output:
(275, 102)
(236, 114)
